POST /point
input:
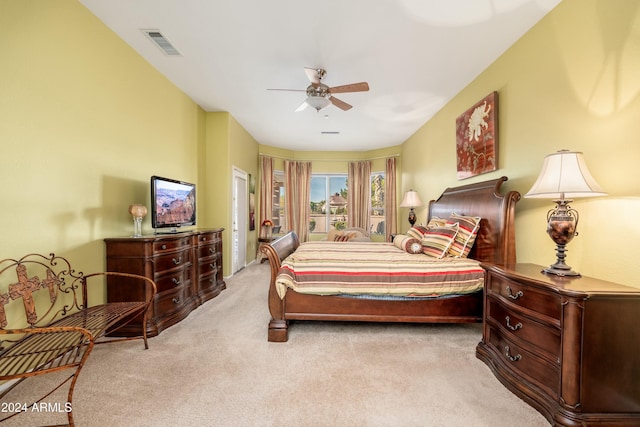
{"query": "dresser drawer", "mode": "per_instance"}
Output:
(173, 280)
(171, 244)
(526, 363)
(544, 337)
(205, 251)
(175, 260)
(207, 267)
(530, 298)
(169, 302)
(206, 238)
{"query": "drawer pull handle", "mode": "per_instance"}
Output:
(507, 352)
(512, 295)
(163, 247)
(176, 300)
(211, 250)
(212, 266)
(512, 327)
(175, 281)
(176, 261)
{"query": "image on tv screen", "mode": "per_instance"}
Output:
(175, 203)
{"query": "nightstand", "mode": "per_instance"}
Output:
(263, 241)
(567, 346)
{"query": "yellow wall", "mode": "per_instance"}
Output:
(84, 123)
(571, 82)
(228, 145)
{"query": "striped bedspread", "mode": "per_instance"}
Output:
(366, 268)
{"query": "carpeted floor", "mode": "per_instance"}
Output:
(216, 368)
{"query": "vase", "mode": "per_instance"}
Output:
(138, 212)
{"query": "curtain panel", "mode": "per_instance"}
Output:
(390, 197)
(297, 177)
(266, 188)
(359, 194)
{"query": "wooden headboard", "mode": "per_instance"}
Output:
(496, 241)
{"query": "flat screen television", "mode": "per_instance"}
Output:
(173, 204)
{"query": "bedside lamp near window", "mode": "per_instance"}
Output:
(411, 200)
(564, 176)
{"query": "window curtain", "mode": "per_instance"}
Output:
(390, 197)
(359, 194)
(266, 188)
(297, 176)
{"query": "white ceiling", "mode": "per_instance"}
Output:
(415, 54)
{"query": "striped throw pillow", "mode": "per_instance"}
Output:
(408, 244)
(467, 232)
(437, 241)
(417, 231)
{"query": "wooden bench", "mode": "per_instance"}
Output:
(47, 325)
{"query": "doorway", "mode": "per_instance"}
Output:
(240, 214)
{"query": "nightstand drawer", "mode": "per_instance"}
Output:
(525, 363)
(545, 338)
(527, 297)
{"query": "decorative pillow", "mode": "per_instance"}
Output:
(417, 231)
(337, 235)
(467, 232)
(408, 244)
(343, 237)
(437, 222)
(437, 241)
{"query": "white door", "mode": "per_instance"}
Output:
(240, 220)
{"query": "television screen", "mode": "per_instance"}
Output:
(173, 203)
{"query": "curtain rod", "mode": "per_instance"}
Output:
(328, 160)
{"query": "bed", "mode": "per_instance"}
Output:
(495, 243)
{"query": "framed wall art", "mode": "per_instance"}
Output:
(477, 138)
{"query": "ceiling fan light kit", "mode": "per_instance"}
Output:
(318, 102)
(320, 96)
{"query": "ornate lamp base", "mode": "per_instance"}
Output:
(560, 268)
(412, 217)
(561, 227)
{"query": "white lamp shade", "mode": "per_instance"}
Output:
(411, 200)
(565, 174)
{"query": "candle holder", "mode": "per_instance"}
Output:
(137, 212)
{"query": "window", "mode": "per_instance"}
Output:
(335, 213)
(377, 203)
(328, 203)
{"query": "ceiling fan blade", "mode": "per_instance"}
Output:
(353, 87)
(314, 75)
(291, 90)
(340, 104)
(302, 106)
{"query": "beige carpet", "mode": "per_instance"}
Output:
(216, 368)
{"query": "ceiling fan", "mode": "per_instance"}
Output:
(320, 96)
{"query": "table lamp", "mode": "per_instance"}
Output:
(564, 176)
(411, 200)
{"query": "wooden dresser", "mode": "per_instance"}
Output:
(187, 269)
(570, 347)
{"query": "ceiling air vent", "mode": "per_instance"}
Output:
(161, 41)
